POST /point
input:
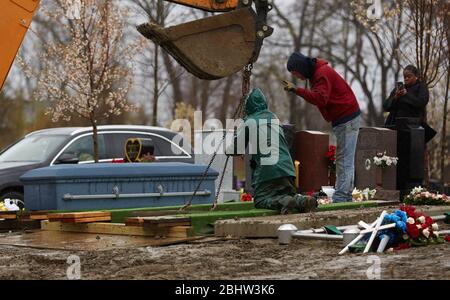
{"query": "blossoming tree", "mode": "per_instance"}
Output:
(90, 74)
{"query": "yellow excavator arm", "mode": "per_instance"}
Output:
(15, 19)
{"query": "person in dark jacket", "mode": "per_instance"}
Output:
(407, 100)
(338, 105)
(273, 171)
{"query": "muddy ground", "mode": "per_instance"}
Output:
(228, 259)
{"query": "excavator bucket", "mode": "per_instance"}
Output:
(15, 19)
(213, 47)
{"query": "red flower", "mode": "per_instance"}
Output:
(331, 157)
(246, 198)
(310, 193)
(412, 231)
(409, 210)
(447, 238)
(428, 221)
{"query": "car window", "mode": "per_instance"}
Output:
(162, 146)
(34, 148)
(83, 148)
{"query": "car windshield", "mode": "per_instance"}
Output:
(34, 148)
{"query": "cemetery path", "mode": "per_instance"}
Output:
(231, 259)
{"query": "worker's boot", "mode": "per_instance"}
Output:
(306, 203)
(289, 205)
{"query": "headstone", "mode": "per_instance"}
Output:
(310, 150)
(411, 143)
(289, 134)
(371, 141)
(219, 162)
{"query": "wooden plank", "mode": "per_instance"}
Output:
(134, 221)
(8, 216)
(118, 229)
(157, 222)
(86, 220)
(76, 215)
(38, 217)
(162, 225)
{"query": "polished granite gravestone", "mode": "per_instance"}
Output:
(372, 141)
(310, 150)
(411, 151)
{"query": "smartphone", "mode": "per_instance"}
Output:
(400, 85)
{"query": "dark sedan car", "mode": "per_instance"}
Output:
(74, 145)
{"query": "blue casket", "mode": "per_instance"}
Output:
(110, 186)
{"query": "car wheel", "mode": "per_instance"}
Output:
(13, 196)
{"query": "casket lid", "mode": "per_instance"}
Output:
(109, 170)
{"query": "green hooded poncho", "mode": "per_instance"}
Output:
(256, 125)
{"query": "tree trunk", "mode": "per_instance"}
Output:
(155, 86)
(94, 137)
(444, 129)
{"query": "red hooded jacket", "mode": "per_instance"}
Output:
(330, 93)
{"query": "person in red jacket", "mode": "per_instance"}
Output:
(337, 103)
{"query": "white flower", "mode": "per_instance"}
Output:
(416, 190)
(426, 233)
(436, 234)
(421, 219)
(411, 221)
(377, 161)
(419, 226)
(435, 227)
(388, 162)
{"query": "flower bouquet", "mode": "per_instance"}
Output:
(412, 229)
(246, 198)
(420, 196)
(383, 161)
(364, 195)
(331, 160)
(421, 229)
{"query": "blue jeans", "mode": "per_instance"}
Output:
(347, 137)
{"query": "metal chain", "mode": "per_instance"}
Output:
(246, 80)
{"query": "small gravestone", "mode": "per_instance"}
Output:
(310, 150)
(372, 141)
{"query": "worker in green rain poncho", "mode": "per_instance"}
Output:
(272, 166)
